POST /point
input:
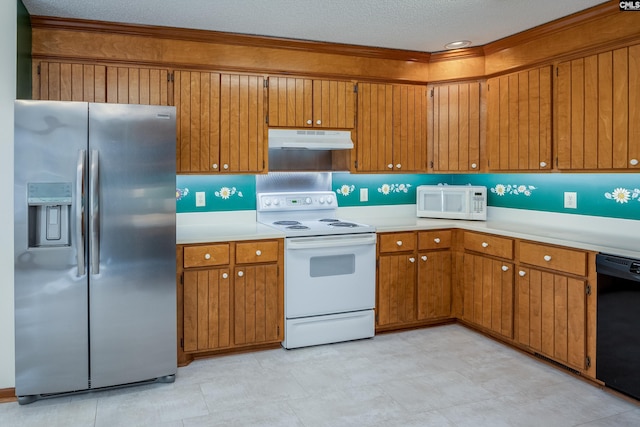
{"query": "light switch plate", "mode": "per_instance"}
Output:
(571, 200)
(200, 199)
(364, 194)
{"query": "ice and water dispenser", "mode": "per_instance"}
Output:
(49, 214)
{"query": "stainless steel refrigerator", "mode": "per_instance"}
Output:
(95, 276)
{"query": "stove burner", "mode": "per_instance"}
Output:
(329, 220)
(296, 227)
(344, 224)
(286, 223)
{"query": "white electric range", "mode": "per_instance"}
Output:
(329, 275)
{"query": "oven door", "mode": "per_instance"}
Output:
(329, 274)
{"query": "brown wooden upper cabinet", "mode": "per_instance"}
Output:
(299, 103)
(519, 120)
(598, 111)
(455, 131)
(392, 128)
(63, 81)
(221, 122)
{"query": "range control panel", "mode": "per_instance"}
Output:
(297, 201)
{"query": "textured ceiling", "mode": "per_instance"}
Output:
(419, 25)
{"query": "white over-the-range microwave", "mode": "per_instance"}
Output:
(452, 202)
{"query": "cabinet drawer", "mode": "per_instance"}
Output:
(252, 252)
(571, 261)
(438, 239)
(397, 242)
(206, 255)
(490, 245)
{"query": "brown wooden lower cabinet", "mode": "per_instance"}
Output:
(434, 285)
(552, 315)
(396, 301)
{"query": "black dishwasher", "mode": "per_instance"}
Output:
(618, 330)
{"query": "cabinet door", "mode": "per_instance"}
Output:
(551, 315)
(290, 102)
(374, 148)
(519, 120)
(396, 302)
(488, 293)
(242, 123)
(197, 100)
(59, 81)
(333, 104)
(256, 304)
(207, 310)
(456, 127)
(434, 285)
(598, 111)
(127, 85)
(409, 128)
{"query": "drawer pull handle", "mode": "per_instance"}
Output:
(225, 275)
(547, 258)
(412, 259)
(522, 273)
(207, 256)
(485, 245)
(258, 252)
(399, 243)
(437, 240)
(424, 257)
(505, 268)
(240, 273)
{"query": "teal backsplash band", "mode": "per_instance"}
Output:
(608, 195)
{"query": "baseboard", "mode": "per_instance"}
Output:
(8, 395)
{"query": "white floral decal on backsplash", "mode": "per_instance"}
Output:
(181, 193)
(345, 189)
(226, 192)
(622, 195)
(516, 190)
(394, 188)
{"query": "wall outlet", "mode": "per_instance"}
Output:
(570, 200)
(364, 194)
(200, 199)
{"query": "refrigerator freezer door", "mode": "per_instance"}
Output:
(132, 284)
(50, 290)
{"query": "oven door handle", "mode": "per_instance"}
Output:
(331, 241)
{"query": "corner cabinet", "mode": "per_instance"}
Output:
(598, 111)
(519, 121)
(221, 122)
(455, 127)
(230, 297)
(299, 103)
(392, 128)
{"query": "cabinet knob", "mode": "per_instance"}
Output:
(309, 122)
(633, 162)
(547, 258)
(424, 257)
(412, 259)
(207, 256)
(398, 166)
(437, 240)
(318, 122)
(390, 166)
(543, 164)
(225, 275)
(225, 166)
(485, 245)
(399, 243)
(214, 166)
(505, 268)
(474, 166)
(258, 252)
(240, 273)
(522, 273)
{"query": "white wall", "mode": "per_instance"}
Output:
(8, 10)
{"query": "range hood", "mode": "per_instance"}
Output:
(303, 139)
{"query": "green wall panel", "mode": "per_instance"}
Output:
(222, 192)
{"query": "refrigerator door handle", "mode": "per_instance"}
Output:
(79, 205)
(94, 212)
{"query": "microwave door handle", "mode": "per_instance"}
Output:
(79, 211)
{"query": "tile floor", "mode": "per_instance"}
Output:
(440, 376)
